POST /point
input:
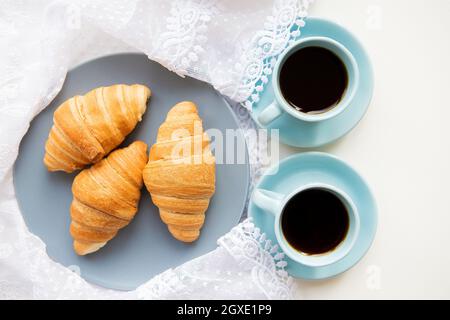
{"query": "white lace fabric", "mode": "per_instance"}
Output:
(231, 44)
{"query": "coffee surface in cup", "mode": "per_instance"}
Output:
(315, 221)
(313, 80)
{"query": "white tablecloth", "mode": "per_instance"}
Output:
(230, 44)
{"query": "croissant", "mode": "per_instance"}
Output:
(180, 173)
(86, 128)
(106, 197)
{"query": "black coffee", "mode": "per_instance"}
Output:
(314, 221)
(313, 80)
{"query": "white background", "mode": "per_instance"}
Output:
(402, 148)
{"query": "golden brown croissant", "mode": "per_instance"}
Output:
(180, 174)
(86, 128)
(106, 197)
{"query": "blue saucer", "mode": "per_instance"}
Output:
(305, 168)
(310, 134)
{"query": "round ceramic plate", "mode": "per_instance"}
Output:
(314, 134)
(316, 167)
(144, 248)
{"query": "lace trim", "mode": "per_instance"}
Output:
(280, 30)
(180, 47)
(255, 253)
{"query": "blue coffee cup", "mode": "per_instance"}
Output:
(280, 105)
(274, 203)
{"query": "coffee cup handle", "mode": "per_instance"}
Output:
(270, 113)
(267, 200)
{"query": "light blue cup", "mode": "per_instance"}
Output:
(274, 203)
(280, 105)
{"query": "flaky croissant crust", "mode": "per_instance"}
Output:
(86, 128)
(106, 197)
(180, 174)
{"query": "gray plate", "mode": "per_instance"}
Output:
(144, 248)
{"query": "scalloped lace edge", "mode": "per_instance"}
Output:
(281, 29)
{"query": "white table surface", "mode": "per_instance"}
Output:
(402, 148)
